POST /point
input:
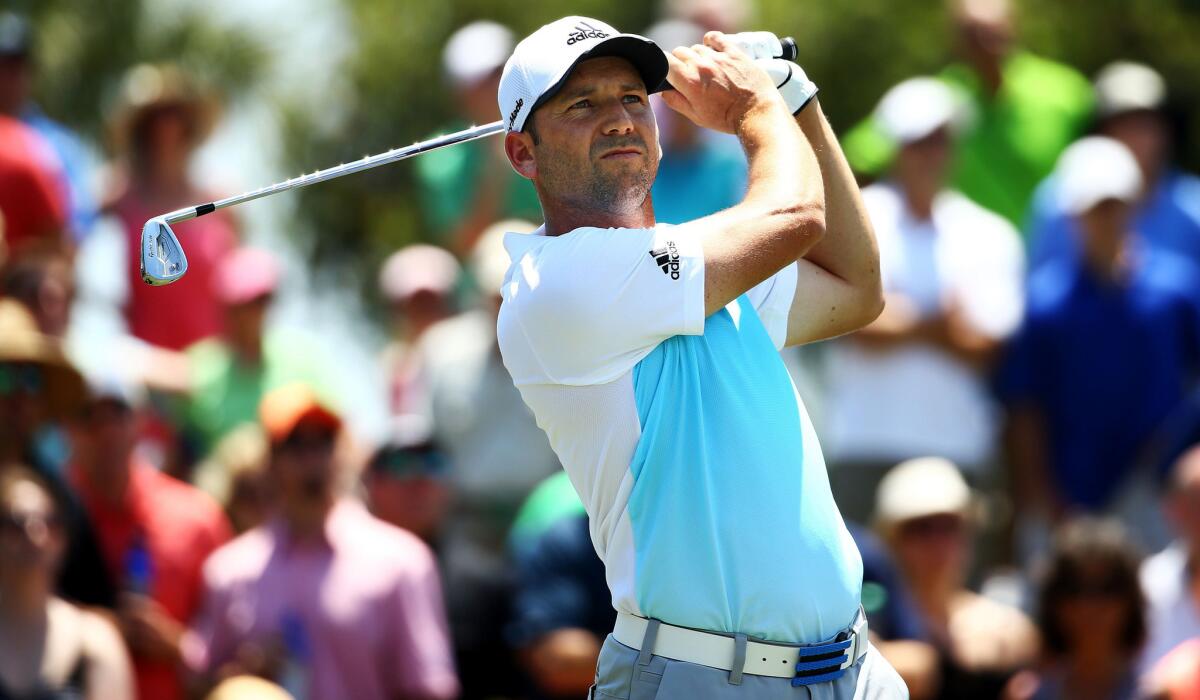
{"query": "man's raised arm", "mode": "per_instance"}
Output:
(838, 288)
(782, 216)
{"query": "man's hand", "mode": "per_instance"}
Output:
(149, 629)
(717, 85)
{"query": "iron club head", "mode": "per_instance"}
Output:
(162, 258)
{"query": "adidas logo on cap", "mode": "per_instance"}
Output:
(587, 31)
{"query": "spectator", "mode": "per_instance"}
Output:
(418, 283)
(39, 392)
(154, 531)
(1171, 578)
(467, 188)
(325, 598)
(1025, 111)
(161, 121)
(235, 474)
(701, 171)
(17, 67)
(230, 374)
(44, 282)
(924, 513)
(497, 454)
(1111, 323)
(897, 627)
(31, 204)
(1091, 617)
(1130, 99)
(562, 609)
(912, 382)
(406, 486)
(48, 647)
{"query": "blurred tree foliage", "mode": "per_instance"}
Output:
(83, 48)
(854, 49)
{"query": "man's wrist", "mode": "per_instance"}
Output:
(769, 106)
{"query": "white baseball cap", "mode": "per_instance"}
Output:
(1094, 169)
(921, 487)
(473, 52)
(1128, 87)
(916, 108)
(542, 61)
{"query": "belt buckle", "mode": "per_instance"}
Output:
(823, 662)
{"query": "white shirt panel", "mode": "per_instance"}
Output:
(604, 299)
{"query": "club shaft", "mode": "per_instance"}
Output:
(475, 132)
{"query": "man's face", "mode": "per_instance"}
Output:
(103, 439)
(594, 145)
(1145, 134)
(303, 465)
(922, 164)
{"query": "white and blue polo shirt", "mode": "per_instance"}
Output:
(684, 436)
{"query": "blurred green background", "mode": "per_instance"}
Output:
(392, 91)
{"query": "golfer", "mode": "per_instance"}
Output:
(649, 354)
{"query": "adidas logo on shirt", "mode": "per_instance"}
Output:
(668, 259)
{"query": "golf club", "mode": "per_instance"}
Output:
(162, 260)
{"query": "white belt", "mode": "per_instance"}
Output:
(719, 650)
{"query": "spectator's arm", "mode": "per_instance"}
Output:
(1028, 456)
(563, 662)
(838, 287)
(422, 663)
(109, 672)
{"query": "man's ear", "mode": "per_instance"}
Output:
(519, 149)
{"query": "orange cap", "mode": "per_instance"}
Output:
(282, 409)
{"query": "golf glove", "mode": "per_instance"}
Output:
(790, 80)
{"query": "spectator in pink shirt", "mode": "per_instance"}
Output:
(325, 599)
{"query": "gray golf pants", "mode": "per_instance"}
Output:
(619, 676)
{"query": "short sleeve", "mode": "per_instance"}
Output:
(772, 299)
(584, 308)
(422, 661)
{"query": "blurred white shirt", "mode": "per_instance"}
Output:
(916, 399)
(1172, 616)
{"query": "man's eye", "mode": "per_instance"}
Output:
(581, 104)
(632, 99)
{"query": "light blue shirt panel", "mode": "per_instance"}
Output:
(734, 525)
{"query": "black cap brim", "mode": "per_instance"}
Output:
(645, 55)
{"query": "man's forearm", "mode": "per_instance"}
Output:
(848, 250)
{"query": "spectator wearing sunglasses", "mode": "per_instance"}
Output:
(926, 514)
(324, 598)
(1091, 616)
(406, 485)
(48, 648)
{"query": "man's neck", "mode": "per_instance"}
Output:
(563, 218)
(306, 521)
(111, 489)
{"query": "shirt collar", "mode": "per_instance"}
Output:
(518, 244)
(344, 518)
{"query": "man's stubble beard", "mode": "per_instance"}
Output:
(590, 187)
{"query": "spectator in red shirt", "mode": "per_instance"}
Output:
(162, 121)
(32, 204)
(154, 531)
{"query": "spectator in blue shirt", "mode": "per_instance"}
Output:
(702, 171)
(1129, 104)
(16, 83)
(1108, 347)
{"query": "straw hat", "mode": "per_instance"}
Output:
(20, 341)
(147, 88)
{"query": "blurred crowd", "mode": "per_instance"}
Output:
(188, 512)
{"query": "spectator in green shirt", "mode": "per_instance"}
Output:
(1024, 110)
(466, 188)
(230, 374)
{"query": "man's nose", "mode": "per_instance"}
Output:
(617, 120)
